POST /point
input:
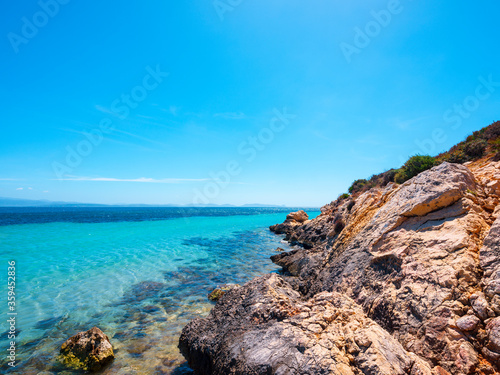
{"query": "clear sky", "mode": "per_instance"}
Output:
(263, 101)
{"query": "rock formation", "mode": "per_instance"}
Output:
(403, 279)
(293, 220)
(89, 351)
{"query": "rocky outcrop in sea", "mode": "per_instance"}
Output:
(403, 279)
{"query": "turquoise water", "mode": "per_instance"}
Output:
(140, 281)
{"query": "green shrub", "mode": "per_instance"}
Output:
(475, 149)
(496, 145)
(389, 176)
(400, 176)
(457, 156)
(493, 131)
(358, 185)
(414, 166)
(344, 196)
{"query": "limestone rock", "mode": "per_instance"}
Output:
(90, 350)
(265, 328)
(405, 279)
(293, 220)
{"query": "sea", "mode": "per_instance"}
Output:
(139, 274)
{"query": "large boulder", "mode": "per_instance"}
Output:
(293, 220)
(264, 328)
(89, 351)
(299, 216)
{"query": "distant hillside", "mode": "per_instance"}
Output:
(15, 202)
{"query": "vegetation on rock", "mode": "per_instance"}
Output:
(480, 143)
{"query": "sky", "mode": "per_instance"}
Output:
(235, 102)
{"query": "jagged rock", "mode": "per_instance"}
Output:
(481, 306)
(89, 351)
(493, 331)
(409, 263)
(490, 263)
(468, 323)
(265, 328)
(299, 216)
(293, 220)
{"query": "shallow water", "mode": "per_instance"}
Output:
(137, 274)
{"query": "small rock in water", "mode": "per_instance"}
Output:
(219, 292)
(299, 216)
(90, 350)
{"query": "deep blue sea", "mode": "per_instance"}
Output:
(139, 274)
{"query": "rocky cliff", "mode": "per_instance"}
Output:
(403, 279)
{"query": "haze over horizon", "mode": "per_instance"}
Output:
(275, 102)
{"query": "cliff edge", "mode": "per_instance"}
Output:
(401, 279)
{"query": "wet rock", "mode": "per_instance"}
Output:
(90, 350)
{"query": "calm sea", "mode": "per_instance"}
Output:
(140, 274)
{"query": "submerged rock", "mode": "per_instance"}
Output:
(217, 293)
(408, 284)
(89, 351)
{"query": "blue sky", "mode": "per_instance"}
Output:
(279, 102)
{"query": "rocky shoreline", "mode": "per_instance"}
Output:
(401, 279)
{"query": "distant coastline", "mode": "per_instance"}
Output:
(16, 202)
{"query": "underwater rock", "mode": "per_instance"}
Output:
(89, 351)
(217, 293)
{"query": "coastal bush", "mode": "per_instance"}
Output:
(344, 196)
(457, 157)
(400, 176)
(476, 148)
(481, 142)
(414, 166)
(496, 145)
(389, 176)
(493, 131)
(357, 185)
